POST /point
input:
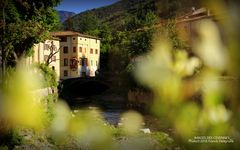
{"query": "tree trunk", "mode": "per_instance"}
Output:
(3, 46)
(3, 64)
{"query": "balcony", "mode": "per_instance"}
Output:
(74, 64)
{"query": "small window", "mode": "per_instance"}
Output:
(80, 49)
(65, 49)
(45, 57)
(74, 49)
(53, 67)
(65, 62)
(63, 39)
(85, 39)
(80, 38)
(96, 40)
(46, 47)
(54, 47)
(65, 73)
(54, 58)
(91, 51)
(73, 38)
(96, 51)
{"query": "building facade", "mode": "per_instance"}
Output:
(42, 54)
(79, 54)
(188, 24)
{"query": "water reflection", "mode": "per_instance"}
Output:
(112, 116)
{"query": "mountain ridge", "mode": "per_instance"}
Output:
(115, 15)
(64, 15)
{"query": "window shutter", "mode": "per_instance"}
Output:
(86, 62)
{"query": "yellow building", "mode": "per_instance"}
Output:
(79, 54)
(42, 52)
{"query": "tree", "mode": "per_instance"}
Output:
(88, 24)
(169, 30)
(141, 30)
(53, 51)
(23, 24)
(141, 42)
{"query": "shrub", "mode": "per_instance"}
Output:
(49, 75)
(10, 139)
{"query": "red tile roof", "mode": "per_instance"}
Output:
(71, 33)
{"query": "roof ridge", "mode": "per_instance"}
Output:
(69, 33)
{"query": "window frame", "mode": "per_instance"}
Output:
(65, 62)
(74, 49)
(46, 46)
(65, 73)
(65, 49)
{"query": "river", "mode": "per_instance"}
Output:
(112, 114)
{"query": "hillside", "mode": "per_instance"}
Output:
(116, 14)
(64, 15)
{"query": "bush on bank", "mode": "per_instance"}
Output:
(49, 75)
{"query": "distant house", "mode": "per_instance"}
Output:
(43, 50)
(79, 54)
(188, 24)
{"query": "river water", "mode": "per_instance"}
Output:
(112, 115)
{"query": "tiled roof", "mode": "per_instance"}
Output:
(71, 33)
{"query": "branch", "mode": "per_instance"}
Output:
(15, 56)
(52, 53)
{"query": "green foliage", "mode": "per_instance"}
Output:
(163, 140)
(116, 15)
(173, 8)
(50, 77)
(136, 22)
(150, 19)
(50, 101)
(105, 33)
(30, 52)
(169, 30)
(10, 139)
(89, 24)
(141, 42)
(26, 23)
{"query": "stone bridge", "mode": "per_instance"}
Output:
(81, 88)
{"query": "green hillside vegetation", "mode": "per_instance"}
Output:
(118, 27)
(116, 15)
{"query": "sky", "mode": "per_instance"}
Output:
(78, 6)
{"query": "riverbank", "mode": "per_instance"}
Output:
(26, 139)
(93, 130)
